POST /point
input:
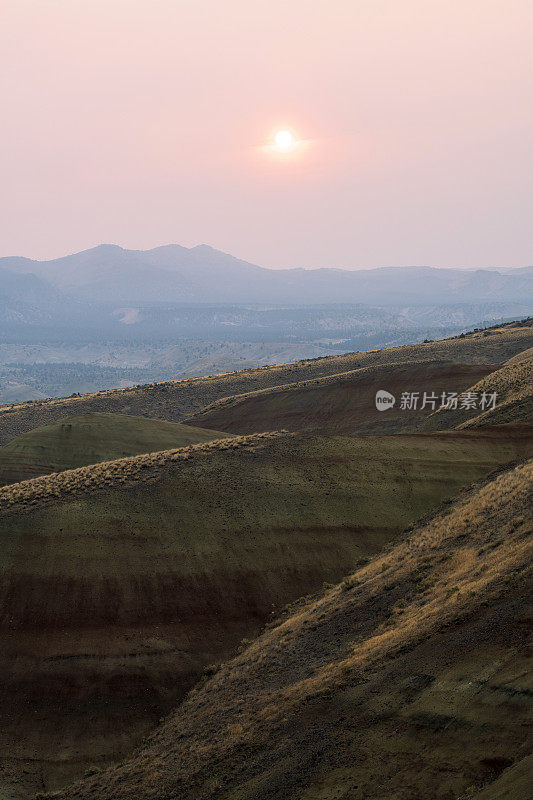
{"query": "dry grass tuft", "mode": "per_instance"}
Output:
(123, 471)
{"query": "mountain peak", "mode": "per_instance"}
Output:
(104, 247)
(205, 248)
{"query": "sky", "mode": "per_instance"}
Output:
(146, 122)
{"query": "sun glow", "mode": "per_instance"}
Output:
(284, 143)
(284, 140)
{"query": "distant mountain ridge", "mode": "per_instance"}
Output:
(172, 273)
(25, 287)
(24, 297)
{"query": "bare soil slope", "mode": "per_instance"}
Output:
(410, 680)
(122, 580)
(344, 403)
(176, 400)
(89, 438)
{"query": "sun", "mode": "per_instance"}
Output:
(284, 144)
(284, 140)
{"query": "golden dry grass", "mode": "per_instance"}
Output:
(513, 383)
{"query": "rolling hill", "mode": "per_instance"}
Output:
(122, 580)
(513, 384)
(408, 680)
(177, 400)
(344, 403)
(89, 438)
(156, 549)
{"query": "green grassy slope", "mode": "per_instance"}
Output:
(175, 400)
(122, 580)
(89, 438)
(345, 403)
(407, 681)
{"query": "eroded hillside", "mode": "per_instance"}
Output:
(344, 403)
(122, 580)
(408, 680)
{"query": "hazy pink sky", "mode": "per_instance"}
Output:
(141, 122)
